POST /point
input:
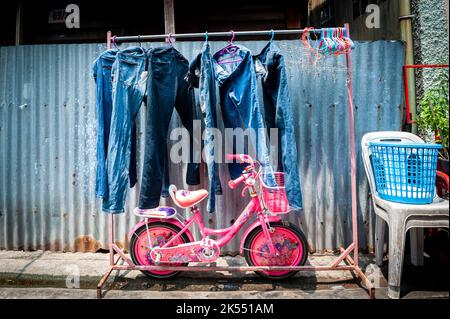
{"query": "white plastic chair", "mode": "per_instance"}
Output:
(400, 217)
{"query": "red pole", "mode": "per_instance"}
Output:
(426, 66)
(351, 124)
(405, 82)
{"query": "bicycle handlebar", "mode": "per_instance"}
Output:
(235, 182)
(243, 158)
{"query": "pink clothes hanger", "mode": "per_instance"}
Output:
(231, 48)
(170, 39)
(114, 43)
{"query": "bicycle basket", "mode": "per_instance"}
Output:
(274, 197)
(405, 173)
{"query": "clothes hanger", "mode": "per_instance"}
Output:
(321, 41)
(272, 36)
(340, 45)
(333, 44)
(347, 39)
(325, 44)
(345, 43)
(139, 40)
(310, 51)
(170, 39)
(231, 48)
(114, 43)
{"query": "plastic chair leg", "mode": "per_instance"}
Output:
(380, 227)
(416, 243)
(397, 236)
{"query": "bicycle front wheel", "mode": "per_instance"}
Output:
(289, 242)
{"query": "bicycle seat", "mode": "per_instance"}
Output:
(184, 198)
(162, 212)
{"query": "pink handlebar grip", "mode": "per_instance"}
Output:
(233, 183)
(231, 157)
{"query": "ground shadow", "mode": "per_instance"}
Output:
(306, 282)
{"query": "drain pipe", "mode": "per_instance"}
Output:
(407, 36)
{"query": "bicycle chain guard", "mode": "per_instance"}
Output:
(205, 250)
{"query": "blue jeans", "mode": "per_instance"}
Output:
(166, 90)
(278, 114)
(237, 87)
(128, 89)
(239, 102)
(102, 75)
(201, 70)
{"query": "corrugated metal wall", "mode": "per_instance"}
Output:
(48, 144)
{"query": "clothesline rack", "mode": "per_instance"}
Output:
(351, 263)
(138, 38)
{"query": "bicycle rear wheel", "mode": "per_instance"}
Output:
(160, 233)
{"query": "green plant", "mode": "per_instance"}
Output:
(433, 115)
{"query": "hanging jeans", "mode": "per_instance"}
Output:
(128, 89)
(235, 74)
(166, 90)
(237, 88)
(201, 75)
(278, 114)
(102, 76)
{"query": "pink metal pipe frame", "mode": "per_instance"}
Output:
(234, 268)
(351, 124)
(352, 263)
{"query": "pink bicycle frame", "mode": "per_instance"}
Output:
(227, 234)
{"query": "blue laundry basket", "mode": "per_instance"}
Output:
(405, 172)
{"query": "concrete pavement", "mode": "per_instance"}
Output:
(64, 293)
(49, 275)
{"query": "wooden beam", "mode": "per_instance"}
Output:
(19, 22)
(169, 16)
(293, 15)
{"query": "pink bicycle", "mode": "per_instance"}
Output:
(162, 238)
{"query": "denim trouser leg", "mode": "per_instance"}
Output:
(208, 103)
(128, 91)
(166, 90)
(102, 75)
(278, 114)
(133, 159)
